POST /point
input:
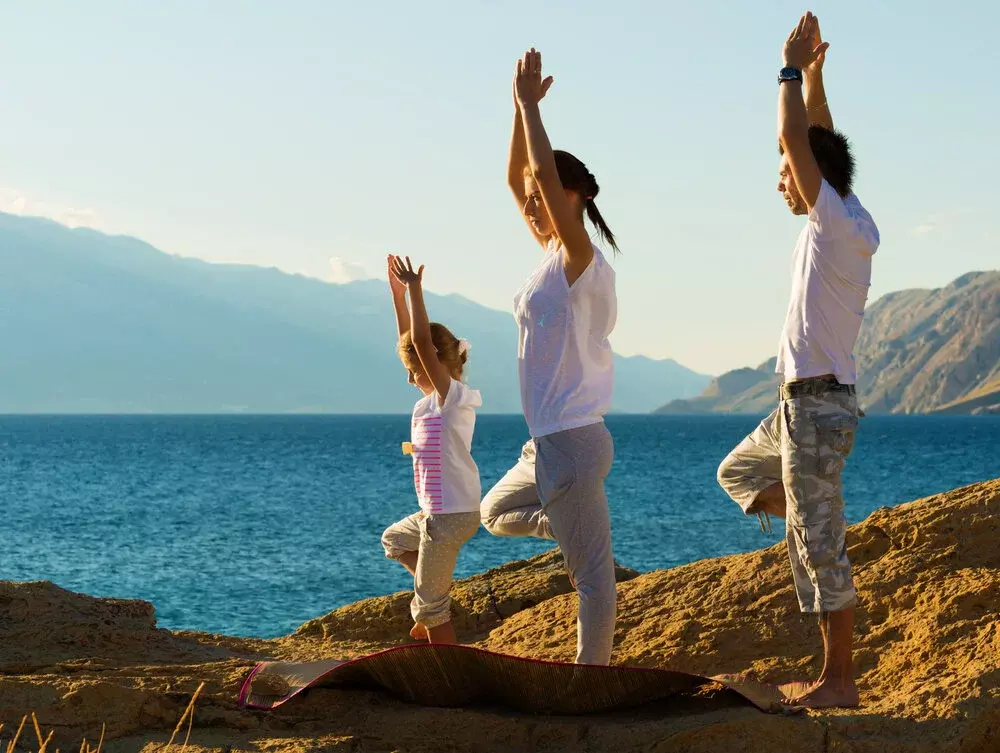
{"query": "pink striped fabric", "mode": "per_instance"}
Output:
(425, 433)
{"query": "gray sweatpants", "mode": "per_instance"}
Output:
(556, 491)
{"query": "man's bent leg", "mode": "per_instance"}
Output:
(751, 473)
(772, 500)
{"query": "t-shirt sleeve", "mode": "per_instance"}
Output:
(830, 216)
(461, 396)
(836, 218)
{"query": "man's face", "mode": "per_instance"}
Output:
(788, 189)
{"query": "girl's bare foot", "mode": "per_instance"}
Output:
(418, 632)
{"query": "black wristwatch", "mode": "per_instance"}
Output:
(789, 74)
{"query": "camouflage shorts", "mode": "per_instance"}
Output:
(804, 444)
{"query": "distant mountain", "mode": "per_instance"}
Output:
(743, 390)
(638, 380)
(927, 350)
(102, 324)
(919, 351)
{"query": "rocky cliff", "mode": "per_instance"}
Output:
(919, 351)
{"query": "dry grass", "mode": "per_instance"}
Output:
(86, 747)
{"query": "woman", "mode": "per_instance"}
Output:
(565, 313)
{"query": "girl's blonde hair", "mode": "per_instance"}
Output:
(449, 350)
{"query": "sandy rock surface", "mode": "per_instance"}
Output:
(927, 655)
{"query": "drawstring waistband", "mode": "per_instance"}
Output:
(765, 522)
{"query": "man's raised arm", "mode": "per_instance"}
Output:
(816, 104)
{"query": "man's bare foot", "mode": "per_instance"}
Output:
(418, 632)
(828, 694)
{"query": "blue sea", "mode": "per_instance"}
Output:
(253, 525)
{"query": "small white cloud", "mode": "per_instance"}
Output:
(79, 218)
(13, 202)
(944, 220)
(343, 271)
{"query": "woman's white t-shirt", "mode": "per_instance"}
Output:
(445, 476)
(565, 361)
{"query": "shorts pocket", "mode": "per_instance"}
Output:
(835, 432)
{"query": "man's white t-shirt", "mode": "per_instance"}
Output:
(445, 476)
(565, 361)
(831, 274)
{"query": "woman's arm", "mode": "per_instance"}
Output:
(577, 248)
(517, 161)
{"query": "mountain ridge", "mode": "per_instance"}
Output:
(96, 323)
(921, 350)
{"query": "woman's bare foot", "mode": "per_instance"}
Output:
(828, 694)
(418, 632)
(442, 633)
(792, 690)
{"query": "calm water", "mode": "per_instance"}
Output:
(252, 525)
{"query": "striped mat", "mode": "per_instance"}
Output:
(447, 675)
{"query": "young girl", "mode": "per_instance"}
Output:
(444, 474)
(565, 313)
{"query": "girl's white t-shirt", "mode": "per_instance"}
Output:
(565, 361)
(445, 476)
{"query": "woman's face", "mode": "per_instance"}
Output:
(534, 208)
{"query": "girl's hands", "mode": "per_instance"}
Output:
(403, 272)
(397, 288)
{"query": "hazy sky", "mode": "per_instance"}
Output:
(316, 136)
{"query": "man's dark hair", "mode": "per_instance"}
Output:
(833, 154)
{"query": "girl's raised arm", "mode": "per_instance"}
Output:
(398, 290)
(420, 327)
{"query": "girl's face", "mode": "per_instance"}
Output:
(417, 377)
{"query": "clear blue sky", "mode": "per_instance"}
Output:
(290, 134)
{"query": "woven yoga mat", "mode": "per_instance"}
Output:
(447, 675)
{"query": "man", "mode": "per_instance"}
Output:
(791, 465)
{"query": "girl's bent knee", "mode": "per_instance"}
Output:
(390, 545)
